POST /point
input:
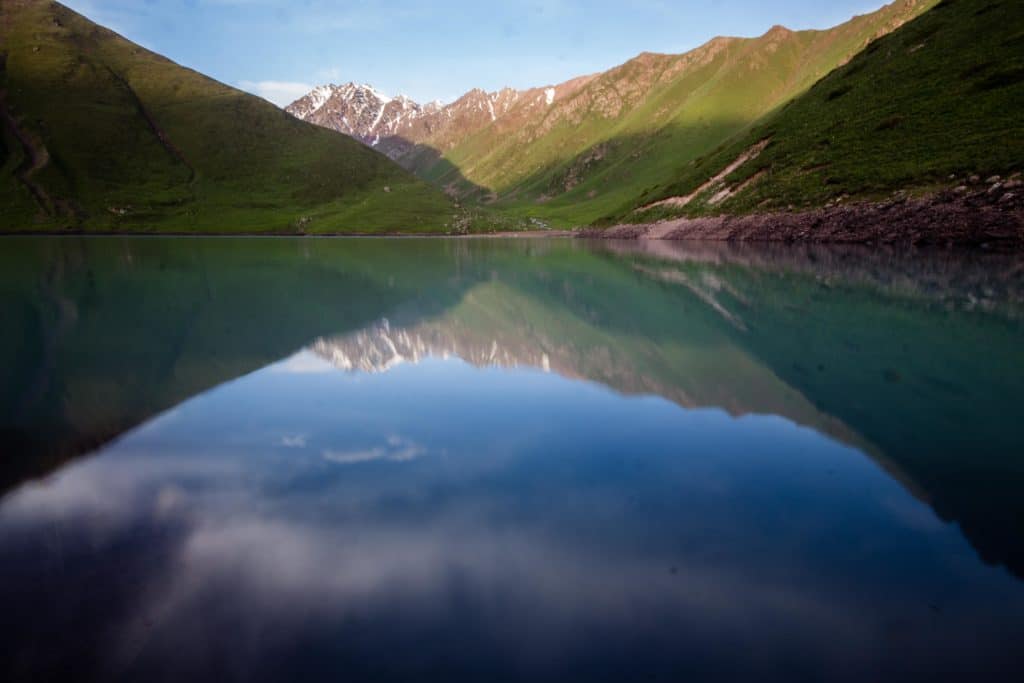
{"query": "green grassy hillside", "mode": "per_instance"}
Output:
(100, 134)
(637, 126)
(926, 106)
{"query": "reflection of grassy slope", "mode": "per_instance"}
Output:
(908, 379)
(115, 331)
(110, 332)
(227, 162)
(121, 329)
(638, 125)
(665, 345)
(942, 95)
(935, 388)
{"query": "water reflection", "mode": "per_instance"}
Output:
(468, 459)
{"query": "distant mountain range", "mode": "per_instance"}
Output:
(583, 149)
(408, 132)
(920, 97)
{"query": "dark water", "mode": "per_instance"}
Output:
(486, 460)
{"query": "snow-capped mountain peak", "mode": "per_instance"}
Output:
(395, 124)
(357, 109)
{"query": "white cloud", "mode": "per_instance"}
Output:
(395, 449)
(281, 93)
(293, 441)
(354, 457)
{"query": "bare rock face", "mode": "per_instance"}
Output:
(360, 111)
(396, 126)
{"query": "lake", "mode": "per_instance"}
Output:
(509, 459)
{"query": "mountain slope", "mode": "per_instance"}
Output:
(574, 152)
(927, 106)
(100, 134)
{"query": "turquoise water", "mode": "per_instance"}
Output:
(370, 459)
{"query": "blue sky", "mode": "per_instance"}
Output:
(435, 50)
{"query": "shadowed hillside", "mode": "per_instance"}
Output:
(100, 134)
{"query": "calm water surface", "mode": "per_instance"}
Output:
(274, 459)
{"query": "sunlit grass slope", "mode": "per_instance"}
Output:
(100, 134)
(638, 126)
(942, 96)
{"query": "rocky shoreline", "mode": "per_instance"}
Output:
(989, 213)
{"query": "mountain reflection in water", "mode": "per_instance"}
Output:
(266, 458)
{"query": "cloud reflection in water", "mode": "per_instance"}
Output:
(628, 532)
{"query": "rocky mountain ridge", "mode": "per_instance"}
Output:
(578, 150)
(397, 125)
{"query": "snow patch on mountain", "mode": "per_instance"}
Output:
(396, 124)
(314, 101)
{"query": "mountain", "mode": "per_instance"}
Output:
(575, 152)
(934, 104)
(417, 136)
(99, 134)
(361, 111)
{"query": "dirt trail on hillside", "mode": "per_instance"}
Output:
(718, 179)
(36, 157)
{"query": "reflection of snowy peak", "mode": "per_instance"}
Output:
(380, 347)
(689, 376)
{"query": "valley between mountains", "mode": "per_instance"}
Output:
(902, 125)
(577, 151)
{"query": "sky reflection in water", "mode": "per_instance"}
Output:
(428, 494)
